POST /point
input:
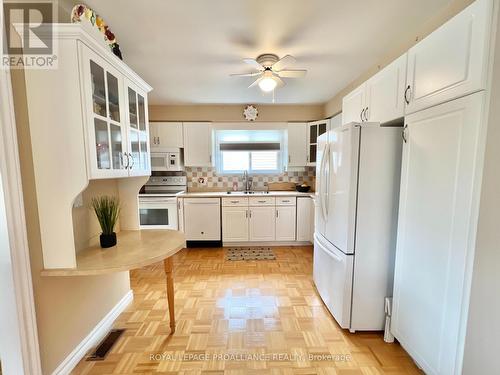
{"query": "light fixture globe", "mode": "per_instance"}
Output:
(267, 83)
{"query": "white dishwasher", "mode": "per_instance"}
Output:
(202, 222)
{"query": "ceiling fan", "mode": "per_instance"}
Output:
(270, 69)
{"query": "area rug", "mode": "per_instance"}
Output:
(250, 253)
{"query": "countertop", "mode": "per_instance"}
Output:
(134, 249)
(224, 194)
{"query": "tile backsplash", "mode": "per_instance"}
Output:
(213, 180)
(225, 182)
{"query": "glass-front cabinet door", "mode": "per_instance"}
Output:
(316, 129)
(138, 131)
(106, 126)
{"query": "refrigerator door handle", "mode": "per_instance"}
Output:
(324, 181)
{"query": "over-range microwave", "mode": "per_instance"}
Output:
(166, 161)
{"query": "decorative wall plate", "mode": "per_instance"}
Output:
(250, 113)
(81, 12)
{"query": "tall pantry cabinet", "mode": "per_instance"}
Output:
(440, 184)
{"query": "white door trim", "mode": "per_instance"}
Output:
(16, 225)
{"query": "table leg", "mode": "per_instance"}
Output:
(170, 292)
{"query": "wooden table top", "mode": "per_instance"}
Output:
(134, 249)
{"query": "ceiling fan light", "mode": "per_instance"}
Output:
(267, 84)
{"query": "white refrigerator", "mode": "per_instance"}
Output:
(357, 188)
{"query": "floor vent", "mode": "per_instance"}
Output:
(106, 345)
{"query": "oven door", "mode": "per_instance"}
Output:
(158, 213)
(159, 161)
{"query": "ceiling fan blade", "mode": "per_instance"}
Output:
(292, 73)
(279, 81)
(256, 82)
(283, 63)
(254, 63)
(246, 74)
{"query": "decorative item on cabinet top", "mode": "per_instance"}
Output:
(82, 12)
(213, 180)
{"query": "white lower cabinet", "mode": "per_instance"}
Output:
(235, 224)
(305, 219)
(262, 223)
(265, 219)
(285, 223)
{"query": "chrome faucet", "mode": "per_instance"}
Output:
(247, 181)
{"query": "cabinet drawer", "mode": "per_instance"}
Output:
(286, 201)
(235, 202)
(262, 201)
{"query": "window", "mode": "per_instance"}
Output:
(255, 151)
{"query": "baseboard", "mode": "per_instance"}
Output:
(93, 338)
(268, 243)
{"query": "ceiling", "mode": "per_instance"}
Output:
(187, 49)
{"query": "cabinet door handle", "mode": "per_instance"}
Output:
(277, 213)
(122, 157)
(366, 114)
(133, 161)
(261, 201)
(246, 214)
(406, 94)
(403, 134)
(159, 142)
(250, 214)
(289, 158)
(361, 115)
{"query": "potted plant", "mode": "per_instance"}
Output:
(107, 210)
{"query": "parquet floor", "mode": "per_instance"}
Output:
(245, 317)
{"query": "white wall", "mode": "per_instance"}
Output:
(10, 343)
(482, 345)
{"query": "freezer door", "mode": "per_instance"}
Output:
(332, 274)
(342, 186)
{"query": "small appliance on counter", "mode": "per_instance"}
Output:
(158, 203)
(167, 161)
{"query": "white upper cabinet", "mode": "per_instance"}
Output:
(380, 99)
(165, 136)
(116, 120)
(138, 131)
(353, 106)
(316, 128)
(103, 89)
(452, 61)
(297, 144)
(197, 144)
(384, 95)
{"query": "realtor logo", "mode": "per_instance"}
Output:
(28, 39)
